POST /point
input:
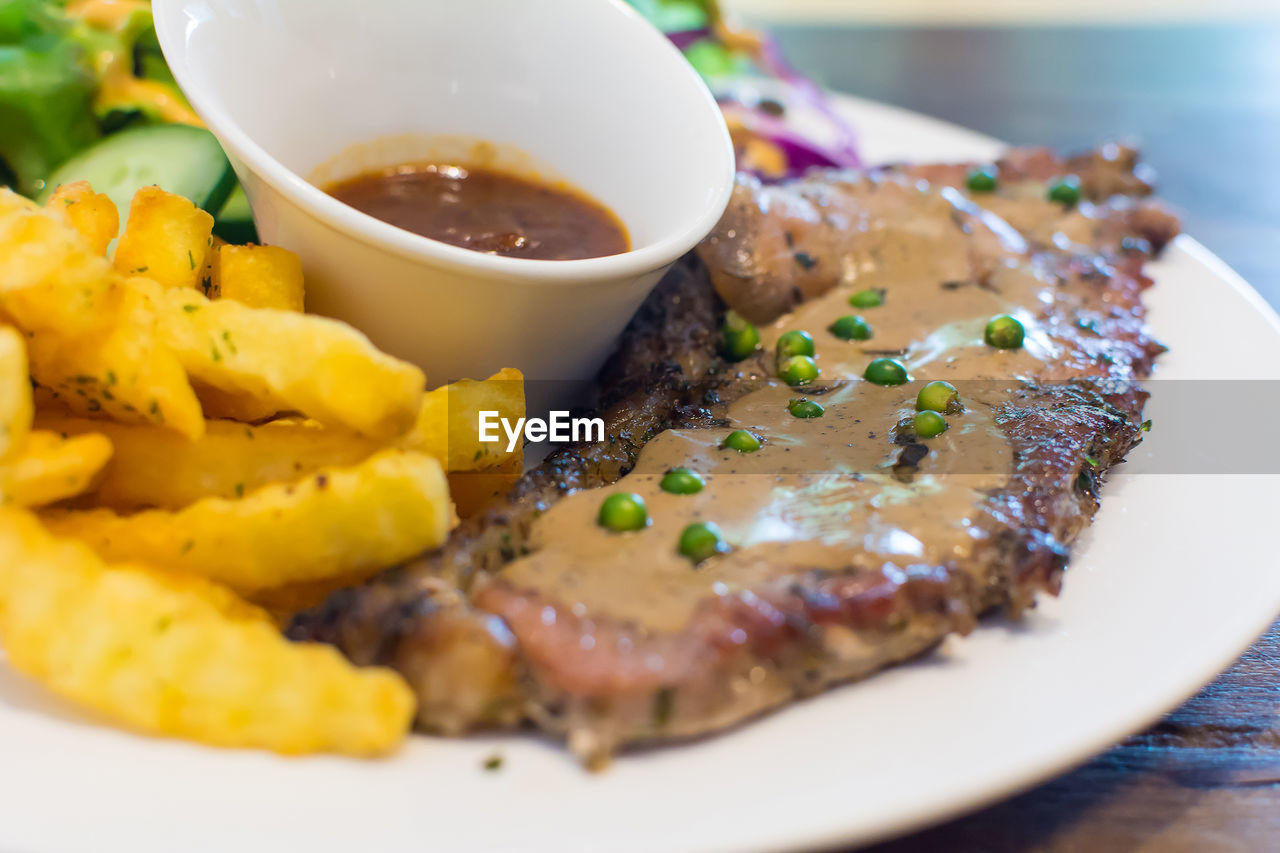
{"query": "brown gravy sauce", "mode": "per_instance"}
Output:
(487, 210)
(820, 493)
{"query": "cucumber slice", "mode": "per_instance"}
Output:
(234, 223)
(176, 157)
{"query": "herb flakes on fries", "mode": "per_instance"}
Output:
(122, 370)
(157, 468)
(339, 522)
(149, 480)
(166, 239)
(50, 280)
(92, 341)
(92, 215)
(289, 361)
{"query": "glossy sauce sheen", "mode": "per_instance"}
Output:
(486, 210)
(820, 493)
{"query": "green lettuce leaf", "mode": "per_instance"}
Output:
(46, 92)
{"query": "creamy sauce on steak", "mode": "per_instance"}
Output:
(822, 493)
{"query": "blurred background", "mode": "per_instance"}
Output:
(1196, 84)
(1000, 11)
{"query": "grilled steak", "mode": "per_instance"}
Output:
(855, 543)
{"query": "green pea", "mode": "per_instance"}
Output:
(741, 441)
(795, 342)
(1004, 332)
(801, 408)
(867, 298)
(982, 180)
(682, 481)
(850, 327)
(738, 337)
(623, 511)
(886, 371)
(929, 424)
(938, 397)
(702, 540)
(798, 370)
(1065, 190)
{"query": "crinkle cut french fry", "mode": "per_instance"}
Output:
(235, 407)
(157, 468)
(447, 426)
(287, 361)
(260, 277)
(91, 339)
(49, 278)
(473, 490)
(53, 287)
(122, 370)
(342, 521)
(16, 407)
(166, 239)
(178, 656)
(93, 215)
(48, 468)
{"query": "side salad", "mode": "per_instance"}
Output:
(756, 89)
(85, 94)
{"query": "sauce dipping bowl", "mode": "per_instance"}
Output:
(580, 90)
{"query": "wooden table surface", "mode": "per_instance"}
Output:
(1204, 103)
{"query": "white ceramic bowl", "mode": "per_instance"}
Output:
(587, 89)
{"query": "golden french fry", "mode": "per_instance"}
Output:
(275, 360)
(166, 239)
(285, 361)
(16, 407)
(339, 522)
(49, 278)
(260, 277)
(230, 406)
(208, 271)
(178, 656)
(157, 468)
(447, 426)
(11, 202)
(93, 215)
(121, 370)
(48, 468)
(471, 491)
(91, 339)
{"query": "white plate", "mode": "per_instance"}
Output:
(1174, 580)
